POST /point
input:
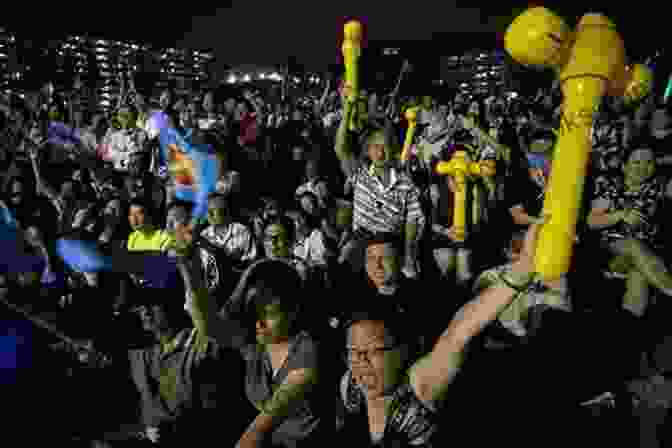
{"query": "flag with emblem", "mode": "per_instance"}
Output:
(194, 168)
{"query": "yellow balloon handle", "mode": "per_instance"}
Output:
(411, 115)
(352, 49)
(590, 63)
(460, 169)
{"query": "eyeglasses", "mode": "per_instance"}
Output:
(355, 354)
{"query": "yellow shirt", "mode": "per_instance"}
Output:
(154, 240)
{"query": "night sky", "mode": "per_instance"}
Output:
(268, 32)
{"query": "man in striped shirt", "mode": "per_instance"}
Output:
(385, 198)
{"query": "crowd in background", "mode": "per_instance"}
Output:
(327, 231)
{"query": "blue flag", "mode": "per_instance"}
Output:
(193, 167)
(59, 133)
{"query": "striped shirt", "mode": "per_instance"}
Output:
(385, 209)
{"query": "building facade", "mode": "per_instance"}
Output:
(8, 60)
(475, 72)
(100, 65)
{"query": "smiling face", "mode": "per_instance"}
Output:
(382, 264)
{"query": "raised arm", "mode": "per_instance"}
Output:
(285, 400)
(432, 375)
(42, 186)
(203, 309)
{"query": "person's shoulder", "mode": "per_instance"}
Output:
(240, 228)
(132, 238)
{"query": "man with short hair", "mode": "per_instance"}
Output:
(385, 198)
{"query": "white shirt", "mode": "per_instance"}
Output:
(312, 249)
(118, 145)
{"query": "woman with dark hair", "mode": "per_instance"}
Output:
(281, 359)
(402, 403)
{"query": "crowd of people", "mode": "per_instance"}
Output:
(329, 296)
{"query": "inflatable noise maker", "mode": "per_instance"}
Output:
(352, 50)
(590, 63)
(461, 169)
(411, 115)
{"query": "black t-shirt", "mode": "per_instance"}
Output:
(662, 147)
(523, 191)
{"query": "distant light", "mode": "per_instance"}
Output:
(247, 78)
(262, 76)
(232, 79)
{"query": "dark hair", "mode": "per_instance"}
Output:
(312, 221)
(180, 205)
(139, 202)
(389, 238)
(220, 197)
(276, 275)
(395, 321)
(638, 145)
(308, 194)
(145, 205)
